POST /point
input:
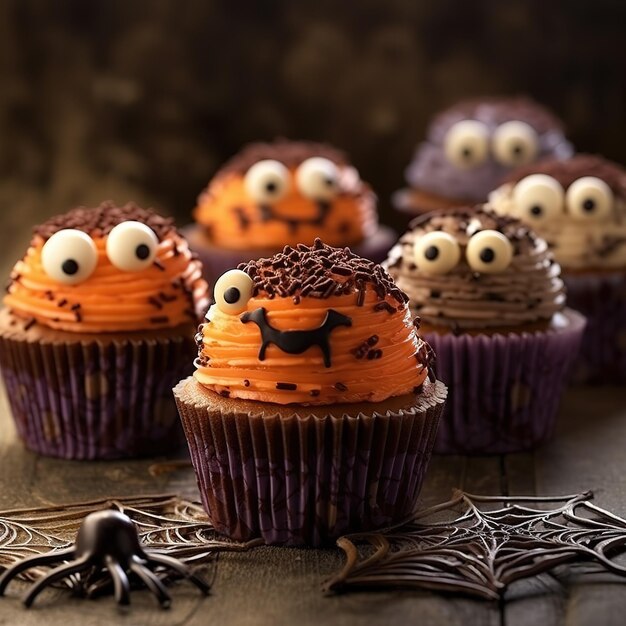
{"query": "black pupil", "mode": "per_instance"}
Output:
(69, 267)
(329, 182)
(142, 251)
(431, 253)
(536, 210)
(466, 152)
(589, 205)
(487, 255)
(270, 187)
(517, 149)
(232, 295)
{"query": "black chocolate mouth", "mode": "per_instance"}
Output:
(268, 214)
(296, 341)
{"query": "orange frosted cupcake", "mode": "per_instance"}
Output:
(284, 193)
(95, 330)
(312, 410)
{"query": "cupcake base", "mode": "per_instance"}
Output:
(86, 396)
(216, 260)
(503, 390)
(306, 475)
(601, 298)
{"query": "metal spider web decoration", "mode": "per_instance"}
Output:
(479, 551)
(165, 523)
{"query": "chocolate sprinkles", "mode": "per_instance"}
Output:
(286, 386)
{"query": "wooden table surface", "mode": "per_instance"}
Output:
(276, 586)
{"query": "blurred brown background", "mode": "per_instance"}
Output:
(144, 99)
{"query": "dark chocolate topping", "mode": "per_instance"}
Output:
(566, 172)
(289, 153)
(319, 271)
(500, 110)
(99, 221)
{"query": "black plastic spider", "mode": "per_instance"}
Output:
(107, 541)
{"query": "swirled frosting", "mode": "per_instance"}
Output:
(578, 244)
(527, 291)
(234, 220)
(168, 293)
(376, 355)
(432, 172)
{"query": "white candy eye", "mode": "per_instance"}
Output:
(515, 143)
(589, 198)
(436, 252)
(538, 197)
(466, 143)
(132, 246)
(489, 252)
(70, 256)
(232, 291)
(318, 178)
(267, 181)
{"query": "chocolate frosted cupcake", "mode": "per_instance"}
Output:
(472, 146)
(312, 411)
(284, 193)
(96, 329)
(579, 207)
(492, 307)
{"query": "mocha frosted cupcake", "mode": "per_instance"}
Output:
(491, 302)
(96, 329)
(284, 193)
(312, 411)
(579, 207)
(472, 146)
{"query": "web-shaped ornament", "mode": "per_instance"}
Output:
(478, 545)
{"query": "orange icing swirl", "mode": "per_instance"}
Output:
(234, 220)
(378, 356)
(168, 293)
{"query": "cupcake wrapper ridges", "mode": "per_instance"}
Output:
(304, 479)
(503, 390)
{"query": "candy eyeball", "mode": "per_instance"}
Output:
(466, 144)
(589, 198)
(131, 246)
(538, 197)
(515, 143)
(232, 292)
(489, 252)
(70, 256)
(318, 178)
(267, 181)
(436, 253)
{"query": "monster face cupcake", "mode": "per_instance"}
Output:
(283, 193)
(492, 306)
(579, 207)
(313, 409)
(96, 329)
(471, 146)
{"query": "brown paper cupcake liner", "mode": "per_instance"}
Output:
(297, 478)
(100, 399)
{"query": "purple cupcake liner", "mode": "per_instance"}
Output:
(601, 298)
(95, 399)
(216, 261)
(503, 390)
(303, 479)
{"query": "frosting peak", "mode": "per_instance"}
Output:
(471, 269)
(311, 325)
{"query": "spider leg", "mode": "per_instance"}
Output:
(73, 567)
(33, 561)
(151, 581)
(121, 585)
(183, 570)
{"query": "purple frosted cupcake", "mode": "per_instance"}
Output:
(97, 327)
(312, 411)
(491, 302)
(472, 146)
(579, 207)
